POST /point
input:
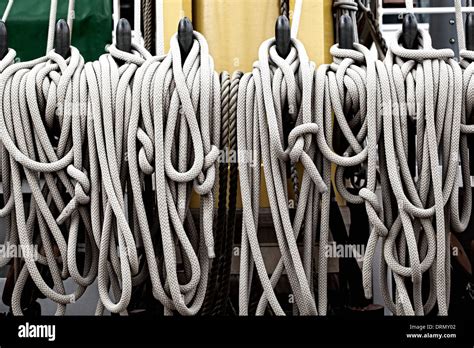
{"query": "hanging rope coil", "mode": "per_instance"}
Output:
(115, 151)
(179, 114)
(109, 88)
(262, 96)
(352, 71)
(48, 89)
(425, 85)
(348, 97)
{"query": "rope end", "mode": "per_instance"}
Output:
(210, 252)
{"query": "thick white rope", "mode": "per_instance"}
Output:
(175, 114)
(262, 96)
(424, 84)
(48, 88)
(6, 13)
(109, 108)
(348, 91)
(102, 126)
(296, 18)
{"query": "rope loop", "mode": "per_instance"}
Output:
(424, 52)
(374, 210)
(81, 193)
(204, 184)
(146, 153)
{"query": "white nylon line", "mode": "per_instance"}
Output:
(295, 22)
(52, 22)
(71, 15)
(137, 21)
(7, 10)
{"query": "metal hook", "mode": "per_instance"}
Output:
(346, 32)
(185, 37)
(124, 35)
(410, 31)
(62, 39)
(283, 36)
(3, 40)
(470, 32)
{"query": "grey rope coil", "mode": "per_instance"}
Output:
(48, 88)
(349, 86)
(84, 136)
(109, 108)
(259, 130)
(176, 113)
(352, 71)
(424, 84)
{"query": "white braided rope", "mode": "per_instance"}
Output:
(426, 85)
(177, 114)
(109, 88)
(262, 95)
(48, 88)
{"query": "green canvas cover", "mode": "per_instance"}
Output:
(27, 26)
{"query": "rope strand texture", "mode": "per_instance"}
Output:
(42, 103)
(424, 85)
(262, 95)
(177, 124)
(348, 89)
(109, 89)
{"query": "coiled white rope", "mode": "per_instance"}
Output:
(349, 90)
(262, 96)
(424, 84)
(48, 88)
(176, 114)
(40, 98)
(81, 134)
(97, 104)
(6, 13)
(109, 88)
